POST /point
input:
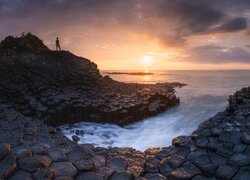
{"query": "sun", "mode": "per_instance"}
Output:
(147, 60)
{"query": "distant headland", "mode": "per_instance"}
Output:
(132, 73)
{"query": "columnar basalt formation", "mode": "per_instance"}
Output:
(218, 149)
(59, 87)
(32, 93)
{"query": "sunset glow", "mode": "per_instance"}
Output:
(147, 61)
(153, 35)
(147, 78)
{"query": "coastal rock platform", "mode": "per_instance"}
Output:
(58, 87)
(41, 89)
(218, 149)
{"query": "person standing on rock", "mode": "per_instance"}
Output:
(58, 47)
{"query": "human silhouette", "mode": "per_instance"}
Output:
(58, 47)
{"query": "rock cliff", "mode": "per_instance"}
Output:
(59, 87)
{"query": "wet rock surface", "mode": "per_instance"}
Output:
(32, 149)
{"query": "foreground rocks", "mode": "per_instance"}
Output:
(59, 87)
(218, 149)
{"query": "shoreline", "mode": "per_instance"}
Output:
(219, 148)
(131, 73)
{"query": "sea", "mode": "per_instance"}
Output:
(205, 95)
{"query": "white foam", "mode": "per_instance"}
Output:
(204, 96)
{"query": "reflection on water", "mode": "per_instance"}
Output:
(205, 95)
(147, 78)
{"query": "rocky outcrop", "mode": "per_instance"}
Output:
(59, 87)
(218, 149)
(25, 43)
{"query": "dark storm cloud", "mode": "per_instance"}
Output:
(188, 17)
(232, 5)
(55, 15)
(170, 21)
(195, 17)
(191, 16)
(56, 8)
(215, 54)
(233, 25)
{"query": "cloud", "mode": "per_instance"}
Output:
(171, 40)
(191, 16)
(181, 19)
(172, 22)
(233, 25)
(213, 54)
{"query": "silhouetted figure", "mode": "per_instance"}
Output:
(58, 47)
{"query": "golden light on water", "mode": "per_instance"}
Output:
(147, 78)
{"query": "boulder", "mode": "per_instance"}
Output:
(243, 173)
(29, 164)
(44, 173)
(246, 138)
(84, 165)
(89, 175)
(21, 174)
(165, 168)
(180, 173)
(240, 159)
(154, 176)
(57, 155)
(7, 166)
(21, 152)
(121, 175)
(4, 150)
(44, 160)
(75, 138)
(226, 171)
(174, 161)
(64, 169)
(117, 163)
(105, 172)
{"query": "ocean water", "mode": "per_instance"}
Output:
(206, 94)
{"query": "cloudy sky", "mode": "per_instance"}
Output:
(139, 34)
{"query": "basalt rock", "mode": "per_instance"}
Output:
(33, 150)
(58, 87)
(30, 149)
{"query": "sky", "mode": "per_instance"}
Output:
(139, 34)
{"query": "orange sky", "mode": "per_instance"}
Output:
(134, 51)
(139, 34)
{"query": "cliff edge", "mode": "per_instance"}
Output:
(59, 87)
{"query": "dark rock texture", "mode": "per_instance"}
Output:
(25, 43)
(58, 87)
(31, 149)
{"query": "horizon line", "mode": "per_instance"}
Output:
(176, 70)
